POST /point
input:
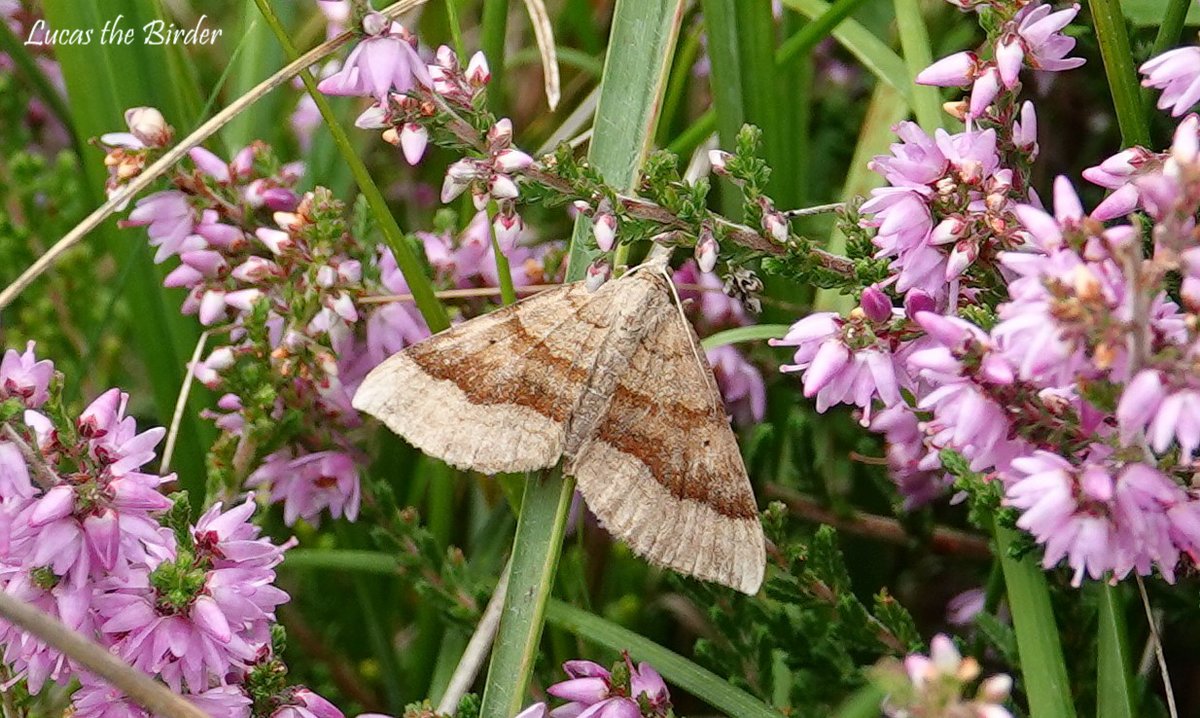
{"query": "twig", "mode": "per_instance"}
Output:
(181, 404)
(1158, 649)
(176, 153)
(943, 540)
(543, 32)
(137, 686)
(41, 472)
(477, 648)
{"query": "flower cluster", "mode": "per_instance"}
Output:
(87, 535)
(935, 685)
(592, 691)
(1075, 391)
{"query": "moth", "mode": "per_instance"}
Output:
(613, 383)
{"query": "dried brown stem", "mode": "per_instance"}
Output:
(137, 686)
(41, 472)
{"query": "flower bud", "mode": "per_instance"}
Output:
(502, 187)
(478, 73)
(706, 250)
(875, 304)
(447, 58)
(148, 125)
(374, 23)
(597, 274)
(373, 118)
(508, 230)
(948, 230)
(500, 134)
(510, 160)
(719, 159)
(776, 225)
(1009, 56)
(413, 140)
(604, 228)
(956, 70)
(916, 301)
(1025, 129)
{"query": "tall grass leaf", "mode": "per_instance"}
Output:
(102, 81)
(879, 59)
(886, 108)
(641, 44)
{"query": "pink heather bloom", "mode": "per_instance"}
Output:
(307, 704)
(310, 483)
(939, 684)
(1040, 38)
(741, 385)
(197, 640)
(957, 70)
(835, 373)
(25, 377)
(703, 290)
(1177, 73)
(1164, 415)
(591, 693)
(379, 65)
(169, 220)
(97, 699)
(1102, 520)
(913, 464)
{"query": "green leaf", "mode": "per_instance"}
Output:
(103, 80)
(1114, 684)
(536, 548)
(677, 670)
(737, 335)
(631, 91)
(1157, 13)
(914, 38)
(1042, 667)
(641, 45)
(872, 52)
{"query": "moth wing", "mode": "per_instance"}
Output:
(492, 394)
(663, 472)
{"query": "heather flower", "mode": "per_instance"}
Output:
(311, 483)
(97, 699)
(169, 220)
(843, 361)
(303, 703)
(1177, 74)
(25, 378)
(203, 612)
(703, 290)
(592, 693)
(936, 685)
(1100, 519)
(1162, 413)
(741, 385)
(913, 464)
(383, 62)
(1040, 41)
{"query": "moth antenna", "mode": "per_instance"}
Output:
(702, 361)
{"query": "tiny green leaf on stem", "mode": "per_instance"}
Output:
(1119, 67)
(676, 669)
(427, 302)
(1042, 666)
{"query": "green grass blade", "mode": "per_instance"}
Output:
(677, 670)
(879, 59)
(737, 335)
(725, 83)
(103, 80)
(493, 26)
(884, 111)
(410, 266)
(914, 39)
(1114, 683)
(1171, 27)
(631, 93)
(1119, 67)
(814, 32)
(536, 548)
(1042, 667)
